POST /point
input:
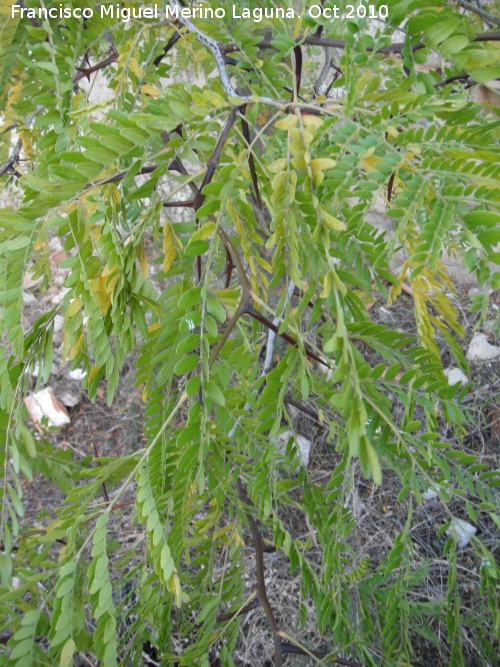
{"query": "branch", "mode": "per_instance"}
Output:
(298, 650)
(245, 295)
(489, 18)
(254, 604)
(451, 79)
(214, 158)
(103, 485)
(261, 582)
(271, 337)
(397, 47)
(251, 163)
(250, 310)
(9, 165)
(318, 86)
(170, 44)
(82, 73)
(218, 52)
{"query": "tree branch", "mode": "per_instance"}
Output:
(261, 582)
(298, 650)
(397, 47)
(486, 16)
(82, 73)
(170, 45)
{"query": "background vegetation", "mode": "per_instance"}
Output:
(214, 207)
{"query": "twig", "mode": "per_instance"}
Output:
(170, 44)
(396, 48)
(9, 164)
(297, 53)
(261, 582)
(318, 86)
(303, 408)
(82, 73)
(251, 163)
(254, 604)
(269, 351)
(245, 294)
(486, 16)
(271, 337)
(250, 310)
(103, 485)
(218, 52)
(213, 161)
(298, 650)
(451, 79)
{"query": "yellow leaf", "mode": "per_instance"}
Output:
(134, 66)
(168, 246)
(277, 165)
(312, 122)
(93, 372)
(392, 132)
(331, 222)
(278, 180)
(154, 327)
(74, 307)
(98, 286)
(75, 349)
(147, 89)
(297, 27)
(322, 164)
(327, 286)
(287, 123)
(175, 583)
(203, 232)
(368, 163)
(214, 98)
(143, 260)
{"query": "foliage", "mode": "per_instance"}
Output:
(280, 171)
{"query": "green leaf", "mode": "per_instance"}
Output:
(187, 364)
(190, 298)
(214, 392)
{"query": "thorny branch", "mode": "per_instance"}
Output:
(85, 73)
(396, 48)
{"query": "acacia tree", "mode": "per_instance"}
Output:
(288, 135)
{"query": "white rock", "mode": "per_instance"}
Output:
(57, 298)
(430, 494)
(461, 531)
(45, 404)
(69, 400)
(455, 375)
(58, 323)
(77, 374)
(327, 369)
(28, 298)
(480, 350)
(303, 445)
(475, 291)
